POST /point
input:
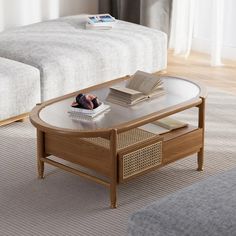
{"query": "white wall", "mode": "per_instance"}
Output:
(22, 12)
(202, 31)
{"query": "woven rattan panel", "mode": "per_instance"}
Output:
(125, 139)
(142, 159)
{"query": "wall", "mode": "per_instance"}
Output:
(202, 31)
(22, 12)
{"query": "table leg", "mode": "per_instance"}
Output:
(113, 196)
(113, 184)
(40, 153)
(200, 158)
(201, 124)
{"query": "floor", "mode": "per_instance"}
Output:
(197, 67)
(65, 204)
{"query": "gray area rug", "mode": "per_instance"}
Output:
(65, 204)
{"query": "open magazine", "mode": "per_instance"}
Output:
(141, 86)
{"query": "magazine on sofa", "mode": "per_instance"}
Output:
(100, 21)
(141, 86)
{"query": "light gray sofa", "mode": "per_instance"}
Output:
(70, 58)
(19, 88)
(207, 208)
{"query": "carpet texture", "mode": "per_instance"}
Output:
(205, 208)
(65, 204)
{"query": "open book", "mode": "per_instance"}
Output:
(140, 87)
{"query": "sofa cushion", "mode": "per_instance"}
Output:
(205, 208)
(70, 57)
(19, 88)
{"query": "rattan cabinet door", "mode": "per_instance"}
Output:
(139, 159)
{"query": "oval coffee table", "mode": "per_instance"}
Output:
(114, 145)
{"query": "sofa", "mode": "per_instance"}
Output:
(206, 208)
(69, 57)
(19, 88)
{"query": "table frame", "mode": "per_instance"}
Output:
(66, 143)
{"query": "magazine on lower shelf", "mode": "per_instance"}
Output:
(164, 125)
(140, 87)
(170, 123)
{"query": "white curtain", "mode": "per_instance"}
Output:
(22, 12)
(217, 31)
(182, 26)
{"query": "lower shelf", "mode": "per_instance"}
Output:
(158, 152)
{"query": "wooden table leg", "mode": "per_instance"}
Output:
(113, 183)
(113, 196)
(201, 124)
(40, 153)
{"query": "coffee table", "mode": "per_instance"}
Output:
(114, 146)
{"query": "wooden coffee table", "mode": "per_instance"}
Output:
(113, 145)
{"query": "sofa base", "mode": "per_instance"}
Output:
(14, 119)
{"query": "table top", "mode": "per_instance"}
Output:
(180, 95)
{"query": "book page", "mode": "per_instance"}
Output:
(144, 82)
(125, 90)
(124, 95)
(157, 93)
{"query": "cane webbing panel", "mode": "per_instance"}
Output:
(125, 139)
(142, 159)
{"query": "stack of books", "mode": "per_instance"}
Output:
(140, 87)
(81, 113)
(100, 22)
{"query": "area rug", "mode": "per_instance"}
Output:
(65, 204)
